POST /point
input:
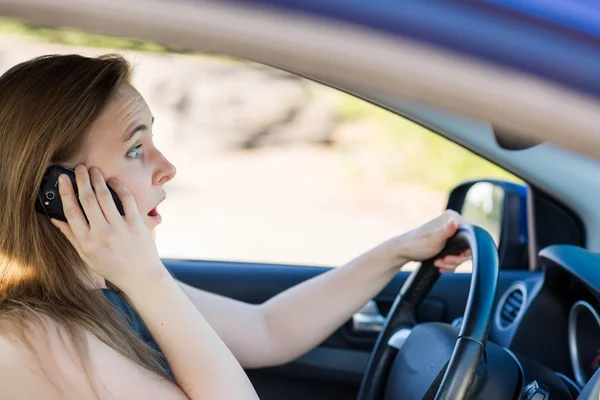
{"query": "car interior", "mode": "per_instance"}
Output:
(542, 298)
(525, 324)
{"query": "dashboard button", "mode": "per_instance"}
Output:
(535, 391)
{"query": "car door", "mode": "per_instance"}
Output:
(334, 369)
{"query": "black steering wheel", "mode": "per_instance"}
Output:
(411, 362)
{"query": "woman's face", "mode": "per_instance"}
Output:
(120, 145)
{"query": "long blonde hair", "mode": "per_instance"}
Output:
(47, 106)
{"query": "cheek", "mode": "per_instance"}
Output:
(135, 188)
(139, 196)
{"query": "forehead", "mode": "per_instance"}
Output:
(123, 113)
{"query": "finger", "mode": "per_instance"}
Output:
(446, 267)
(449, 262)
(73, 213)
(451, 226)
(87, 197)
(107, 204)
(454, 259)
(129, 205)
(442, 264)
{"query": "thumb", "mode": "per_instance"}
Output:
(451, 226)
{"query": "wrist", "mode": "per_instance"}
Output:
(148, 280)
(392, 253)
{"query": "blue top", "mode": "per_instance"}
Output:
(137, 324)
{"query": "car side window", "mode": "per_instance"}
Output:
(273, 168)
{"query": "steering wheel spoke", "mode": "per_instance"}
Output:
(397, 340)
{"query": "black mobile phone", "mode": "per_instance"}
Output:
(49, 201)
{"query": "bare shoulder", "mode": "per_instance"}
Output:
(43, 361)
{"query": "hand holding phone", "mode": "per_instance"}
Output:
(49, 202)
(114, 242)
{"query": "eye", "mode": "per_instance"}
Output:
(135, 152)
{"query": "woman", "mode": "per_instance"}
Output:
(67, 329)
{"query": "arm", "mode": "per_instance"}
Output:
(302, 317)
(298, 319)
(241, 326)
(202, 364)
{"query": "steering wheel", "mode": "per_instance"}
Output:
(411, 362)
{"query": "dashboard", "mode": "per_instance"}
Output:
(552, 319)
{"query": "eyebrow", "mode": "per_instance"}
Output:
(138, 128)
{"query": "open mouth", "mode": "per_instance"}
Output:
(155, 216)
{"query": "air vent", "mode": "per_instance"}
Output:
(510, 306)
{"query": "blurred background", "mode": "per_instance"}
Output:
(271, 167)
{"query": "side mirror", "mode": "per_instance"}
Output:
(500, 208)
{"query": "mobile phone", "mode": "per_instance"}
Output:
(49, 201)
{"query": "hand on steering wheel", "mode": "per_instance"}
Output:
(428, 240)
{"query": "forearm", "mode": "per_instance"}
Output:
(298, 319)
(302, 317)
(203, 366)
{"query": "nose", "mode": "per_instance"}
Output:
(165, 171)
